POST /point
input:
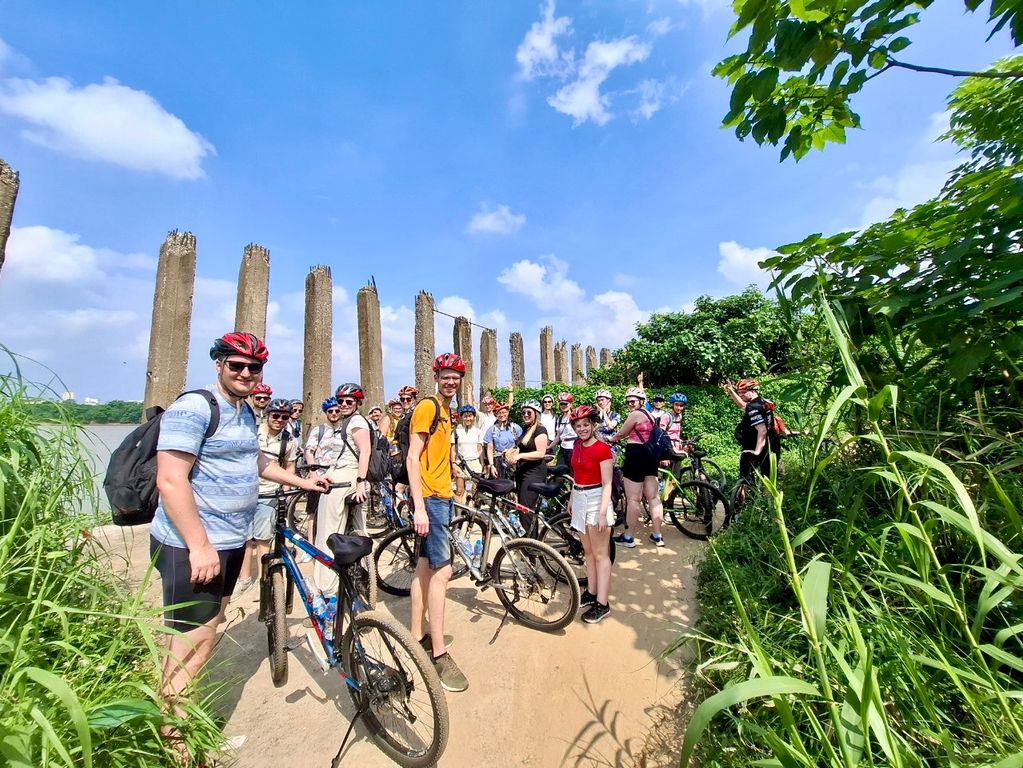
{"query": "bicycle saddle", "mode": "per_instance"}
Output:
(699, 454)
(549, 490)
(558, 470)
(348, 549)
(496, 486)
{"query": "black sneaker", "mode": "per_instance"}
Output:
(597, 613)
(587, 598)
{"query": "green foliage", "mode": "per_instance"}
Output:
(936, 292)
(885, 578)
(731, 337)
(114, 412)
(805, 60)
(79, 658)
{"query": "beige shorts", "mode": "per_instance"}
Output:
(586, 508)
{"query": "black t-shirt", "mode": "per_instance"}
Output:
(522, 467)
(755, 415)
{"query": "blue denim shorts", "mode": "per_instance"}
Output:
(262, 527)
(436, 545)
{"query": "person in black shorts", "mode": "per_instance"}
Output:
(639, 470)
(753, 432)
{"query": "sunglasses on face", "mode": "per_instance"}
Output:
(333, 411)
(278, 416)
(260, 397)
(236, 366)
(408, 399)
(347, 401)
(632, 401)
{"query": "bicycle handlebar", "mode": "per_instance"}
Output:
(297, 491)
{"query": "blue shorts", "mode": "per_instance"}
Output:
(262, 522)
(436, 545)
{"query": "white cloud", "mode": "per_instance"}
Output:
(5, 53)
(660, 27)
(495, 221)
(108, 122)
(740, 265)
(651, 94)
(538, 54)
(582, 98)
(41, 254)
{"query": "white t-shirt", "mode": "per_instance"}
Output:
(485, 421)
(468, 441)
(330, 448)
(547, 422)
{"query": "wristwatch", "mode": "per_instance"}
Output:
(360, 479)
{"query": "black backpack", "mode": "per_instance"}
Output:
(658, 445)
(130, 482)
(401, 437)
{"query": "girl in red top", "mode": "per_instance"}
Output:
(590, 507)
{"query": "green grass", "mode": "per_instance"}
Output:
(865, 611)
(79, 655)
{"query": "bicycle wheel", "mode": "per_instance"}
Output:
(535, 584)
(276, 626)
(395, 562)
(398, 687)
(365, 579)
(299, 520)
(566, 542)
(377, 523)
(713, 474)
(701, 510)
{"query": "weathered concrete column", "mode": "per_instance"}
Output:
(172, 320)
(591, 360)
(488, 362)
(518, 360)
(605, 357)
(578, 375)
(561, 373)
(253, 291)
(371, 353)
(462, 341)
(547, 354)
(319, 345)
(425, 349)
(8, 195)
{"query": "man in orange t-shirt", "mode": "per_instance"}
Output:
(429, 472)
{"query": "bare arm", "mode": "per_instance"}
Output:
(286, 475)
(761, 439)
(540, 444)
(736, 398)
(173, 481)
(627, 426)
(606, 469)
(416, 445)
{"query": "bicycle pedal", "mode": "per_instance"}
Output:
(295, 644)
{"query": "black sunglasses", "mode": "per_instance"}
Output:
(347, 401)
(332, 411)
(237, 366)
(408, 399)
(278, 416)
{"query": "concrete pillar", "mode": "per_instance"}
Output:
(488, 361)
(8, 195)
(605, 357)
(371, 353)
(518, 361)
(547, 354)
(425, 349)
(591, 360)
(561, 373)
(253, 291)
(578, 375)
(319, 346)
(462, 341)
(172, 319)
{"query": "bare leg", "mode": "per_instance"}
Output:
(420, 589)
(634, 503)
(600, 554)
(653, 502)
(186, 656)
(249, 559)
(591, 570)
(436, 599)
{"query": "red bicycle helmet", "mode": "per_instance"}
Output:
(582, 412)
(394, 402)
(565, 397)
(238, 343)
(408, 389)
(262, 389)
(350, 389)
(449, 361)
(747, 384)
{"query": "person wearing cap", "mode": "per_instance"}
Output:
(607, 419)
(564, 435)
(657, 412)
(528, 457)
(376, 416)
(466, 446)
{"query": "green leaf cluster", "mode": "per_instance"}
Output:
(114, 412)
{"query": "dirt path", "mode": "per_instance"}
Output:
(582, 697)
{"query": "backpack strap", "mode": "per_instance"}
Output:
(285, 436)
(214, 410)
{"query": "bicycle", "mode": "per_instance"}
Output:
(382, 517)
(550, 522)
(391, 680)
(699, 510)
(533, 582)
(695, 465)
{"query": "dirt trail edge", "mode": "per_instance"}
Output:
(585, 696)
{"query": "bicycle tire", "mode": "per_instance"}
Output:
(704, 510)
(530, 575)
(561, 537)
(713, 474)
(394, 560)
(395, 679)
(377, 523)
(277, 627)
(366, 584)
(298, 520)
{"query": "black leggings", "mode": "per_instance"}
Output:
(537, 474)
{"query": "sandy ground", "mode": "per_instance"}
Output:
(585, 696)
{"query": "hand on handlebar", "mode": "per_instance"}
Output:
(319, 484)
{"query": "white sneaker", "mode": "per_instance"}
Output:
(241, 586)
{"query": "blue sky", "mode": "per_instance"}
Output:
(527, 164)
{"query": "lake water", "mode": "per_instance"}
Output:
(100, 440)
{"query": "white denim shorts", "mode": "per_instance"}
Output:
(586, 507)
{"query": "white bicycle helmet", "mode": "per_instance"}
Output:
(635, 392)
